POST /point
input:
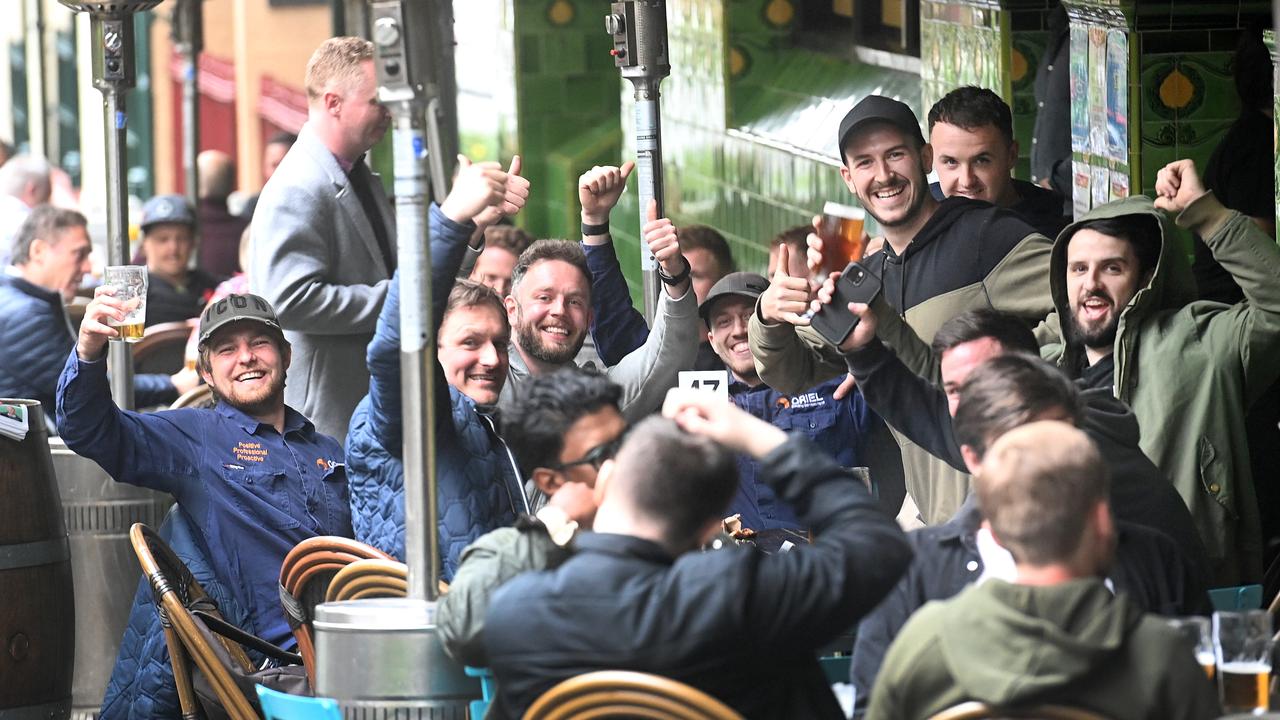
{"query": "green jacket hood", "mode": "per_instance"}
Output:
(1018, 641)
(1171, 287)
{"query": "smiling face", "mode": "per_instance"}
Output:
(245, 364)
(1103, 275)
(974, 163)
(472, 349)
(728, 321)
(550, 312)
(168, 248)
(884, 168)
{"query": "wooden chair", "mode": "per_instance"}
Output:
(176, 591)
(373, 578)
(162, 348)
(973, 710)
(621, 693)
(305, 576)
(200, 396)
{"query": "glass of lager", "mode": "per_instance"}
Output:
(1242, 645)
(1198, 634)
(843, 240)
(130, 284)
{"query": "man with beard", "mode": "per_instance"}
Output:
(251, 475)
(550, 311)
(938, 259)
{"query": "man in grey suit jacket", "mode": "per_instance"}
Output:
(324, 237)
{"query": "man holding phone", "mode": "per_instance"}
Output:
(938, 259)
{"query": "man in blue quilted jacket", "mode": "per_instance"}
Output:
(479, 488)
(50, 256)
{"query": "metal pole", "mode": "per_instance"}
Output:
(399, 33)
(639, 30)
(38, 75)
(188, 31)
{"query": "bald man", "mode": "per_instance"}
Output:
(219, 229)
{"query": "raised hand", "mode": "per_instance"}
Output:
(477, 187)
(515, 195)
(94, 330)
(863, 332)
(702, 413)
(787, 298)
(813, 256)
(1177, 186)
(599, 190)
(663, 239)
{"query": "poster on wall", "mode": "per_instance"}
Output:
(1079, 88)
(1098, 65)
(1118, 112)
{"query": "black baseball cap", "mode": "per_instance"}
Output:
(167, 209)
(233, 308)
(878, 108)
(745, 284)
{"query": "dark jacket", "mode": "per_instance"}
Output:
(37, 337)
(220, 237)
(1019, 645)
(1148, 568)
(141, 685)
(1140, 493)
(1039, 207)
(969, 255)
(167, 302)
(478, 486)
(1201, 363)
(735, 623)
(1051, 136)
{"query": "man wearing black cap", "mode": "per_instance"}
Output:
(838, 426)
(174, 292)
(251, 474)
(938, 259)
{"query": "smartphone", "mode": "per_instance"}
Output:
(833, 321)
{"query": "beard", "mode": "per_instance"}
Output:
(1096, 335)
(254, 404)
(919, 181)
(530, 341)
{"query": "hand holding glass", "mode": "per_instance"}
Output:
(130, 285)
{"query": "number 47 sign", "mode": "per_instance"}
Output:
(712, 381)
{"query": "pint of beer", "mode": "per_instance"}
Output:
(843, 240)
(1242, 646)
(130, 285)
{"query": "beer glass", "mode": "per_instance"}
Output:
(843, 240)
(130, 285)
(1242, 645)
(1198, 634)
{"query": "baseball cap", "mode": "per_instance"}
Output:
(167, 209)
(878, 108)
(745, 284)
(233, 308)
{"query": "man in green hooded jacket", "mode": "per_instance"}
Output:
(1055, 634)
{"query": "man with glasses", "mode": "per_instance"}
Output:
(562, 429)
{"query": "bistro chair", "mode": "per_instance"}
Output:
(304, 582)
(973, 710)
(621, 693)
(374, 578)
(163, 348)
(197, 635)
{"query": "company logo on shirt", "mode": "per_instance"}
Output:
(250, 452)
(802, 401)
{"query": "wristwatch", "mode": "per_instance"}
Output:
(559, 527)
(678, 278)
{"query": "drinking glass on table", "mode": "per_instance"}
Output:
(1242, 646)
(130, 285)
(843, 239)
(1198, 633)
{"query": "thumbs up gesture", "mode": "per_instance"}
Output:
(663, 240)
(787, 297)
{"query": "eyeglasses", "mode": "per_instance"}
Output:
(594, 457)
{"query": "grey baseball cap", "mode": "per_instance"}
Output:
(167, 209)
(744, 284)
(233, 308)
(878, 108)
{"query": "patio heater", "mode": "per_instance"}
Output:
(639, 30)
(382, 658)
(111, 25)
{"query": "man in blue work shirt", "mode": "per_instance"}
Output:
(837, 426)
(251, 474)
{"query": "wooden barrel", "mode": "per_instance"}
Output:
(37, 606)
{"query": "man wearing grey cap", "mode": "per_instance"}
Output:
(251, 474)
(174, 291)
(838, 426)
(938, 259)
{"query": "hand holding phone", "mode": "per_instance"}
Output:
(833, 320)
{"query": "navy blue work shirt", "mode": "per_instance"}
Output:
(252, 492)
(838, 427)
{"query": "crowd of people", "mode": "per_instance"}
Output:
(1052, 415)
